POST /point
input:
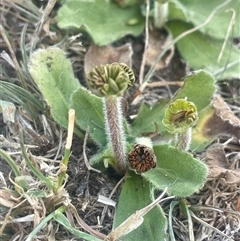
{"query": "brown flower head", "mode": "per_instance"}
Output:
(142, 158)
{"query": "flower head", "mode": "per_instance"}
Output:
(142, 158)
(110, 79)
(180, 116)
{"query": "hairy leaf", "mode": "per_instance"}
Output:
(198, 88)
(197, 11)
(89, 114)
(135, 195)
(177, 170)
(202, 52)
(103, 20)
(53, 74)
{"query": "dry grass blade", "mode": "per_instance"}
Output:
(211, 227)
(89, 167)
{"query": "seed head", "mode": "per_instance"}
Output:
(142, 158)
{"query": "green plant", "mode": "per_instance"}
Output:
(115, 22)
(171, 167)
(49, 189)
(110, 82)
(202, 30)
(180, 117)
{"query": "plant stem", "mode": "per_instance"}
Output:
(67, 152)
(183, 140)
(115, 130)
(160, 14)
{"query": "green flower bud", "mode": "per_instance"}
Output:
(180, 116)
(110, 79)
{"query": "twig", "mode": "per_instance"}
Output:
(157, 84)
(112, 192)
(42, 20)
(210, 226)
(89, 167)
(232, 22)
(14, 58)
(146, 43)
(84, 225)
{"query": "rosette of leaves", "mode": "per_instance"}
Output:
(175, 169)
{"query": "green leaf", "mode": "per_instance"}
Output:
(202, 52)
(60, 218)
(197, 11)
(146, 117)
(103, 20)
(198, 87)
(54, 76)
(135, 195)
(177, 170)
(89, 114)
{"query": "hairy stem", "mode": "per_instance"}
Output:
(183, 140)
(115, 130)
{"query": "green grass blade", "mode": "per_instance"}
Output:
(36, 172)
(170, 225)
(44, 222)
(14, 167)
(60, 218)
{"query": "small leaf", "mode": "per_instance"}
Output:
(198, 88)
(146, 117)
(177, 170)
(89, 114)
(54, 76)
(197, 12)
(135, 195)
(202, 52)
(103, 20)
